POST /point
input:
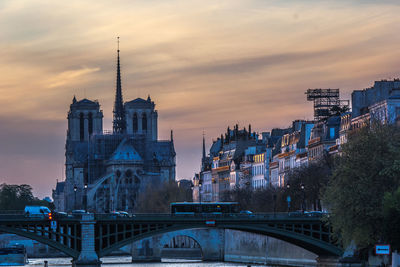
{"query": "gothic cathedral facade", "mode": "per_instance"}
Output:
(106, 171)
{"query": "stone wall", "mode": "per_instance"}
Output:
(254, 248)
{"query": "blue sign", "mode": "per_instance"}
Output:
(53, 225)
(382, 249)
(288, 199)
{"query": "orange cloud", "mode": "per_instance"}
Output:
(206, 64)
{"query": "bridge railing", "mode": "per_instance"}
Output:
(255, 216)
(11, 212)
(19, 215)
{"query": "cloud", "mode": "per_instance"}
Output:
(206, 64)
(69, 76)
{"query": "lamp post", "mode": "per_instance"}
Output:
(303, 205)
(200, 193)
(85, 197)
(288, 198)
(75, 189)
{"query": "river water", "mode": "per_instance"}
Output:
(126, 262)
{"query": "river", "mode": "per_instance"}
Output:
(126, 262)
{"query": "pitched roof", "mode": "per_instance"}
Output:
(84, 103)
(125, 151)
(140, 103)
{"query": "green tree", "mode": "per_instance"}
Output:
(16, 197)
(259, 200)
(314, 178)
(368, 168)
(391, 217)
(157, 199)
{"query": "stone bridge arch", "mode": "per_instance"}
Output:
(191, 233)
(181, 246)
(210, 241)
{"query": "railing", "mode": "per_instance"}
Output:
(11, 212)
(253, 216)
(19, 215)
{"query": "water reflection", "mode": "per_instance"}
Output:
(126, 262)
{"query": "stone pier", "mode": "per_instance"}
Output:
(88, 256)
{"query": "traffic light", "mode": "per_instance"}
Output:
(50, 216)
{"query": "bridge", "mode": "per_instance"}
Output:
(89, 237)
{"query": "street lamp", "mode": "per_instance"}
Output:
(200, 193)
(288, 198)
(75, 189)
(304, 197)
(85, 199)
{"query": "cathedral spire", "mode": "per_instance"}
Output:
(203, 159)
(204, 148)
(119, 124)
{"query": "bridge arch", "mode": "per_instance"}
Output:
(189, 233)
(309, 243)
(42, 239)
(181, 245)
(319, 247)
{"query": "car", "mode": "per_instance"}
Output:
(78, 213)
(247, 212)
(115, 214)
(315, 213)
(123, 214)
(297, 213)
(60, 214)
(41, 212)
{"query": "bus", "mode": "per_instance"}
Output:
(205, 207)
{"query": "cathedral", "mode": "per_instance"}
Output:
(106, 171)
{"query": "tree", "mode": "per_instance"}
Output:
(260, 200)
(16, 197)
(391, 217)
(157, 199)
(314, 178)
(368, 168)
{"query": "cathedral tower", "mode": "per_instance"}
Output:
(141, 118)
(84, 119)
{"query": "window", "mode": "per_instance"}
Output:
(144, 122)
(135, 123)
(331, 132)
(90, 124)
(81, 127)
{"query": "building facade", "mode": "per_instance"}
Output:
(106, 171)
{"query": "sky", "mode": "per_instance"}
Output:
(207, 65)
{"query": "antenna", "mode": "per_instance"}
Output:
(118, 43)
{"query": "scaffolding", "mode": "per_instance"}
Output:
(326, 102)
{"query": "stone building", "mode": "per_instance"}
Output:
(106, 171)
(291, 151)
(58, 196)
(323, 138)
(361, 100)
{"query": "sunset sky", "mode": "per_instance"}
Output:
(206, 64)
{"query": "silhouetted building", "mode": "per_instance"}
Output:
(106, 171)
